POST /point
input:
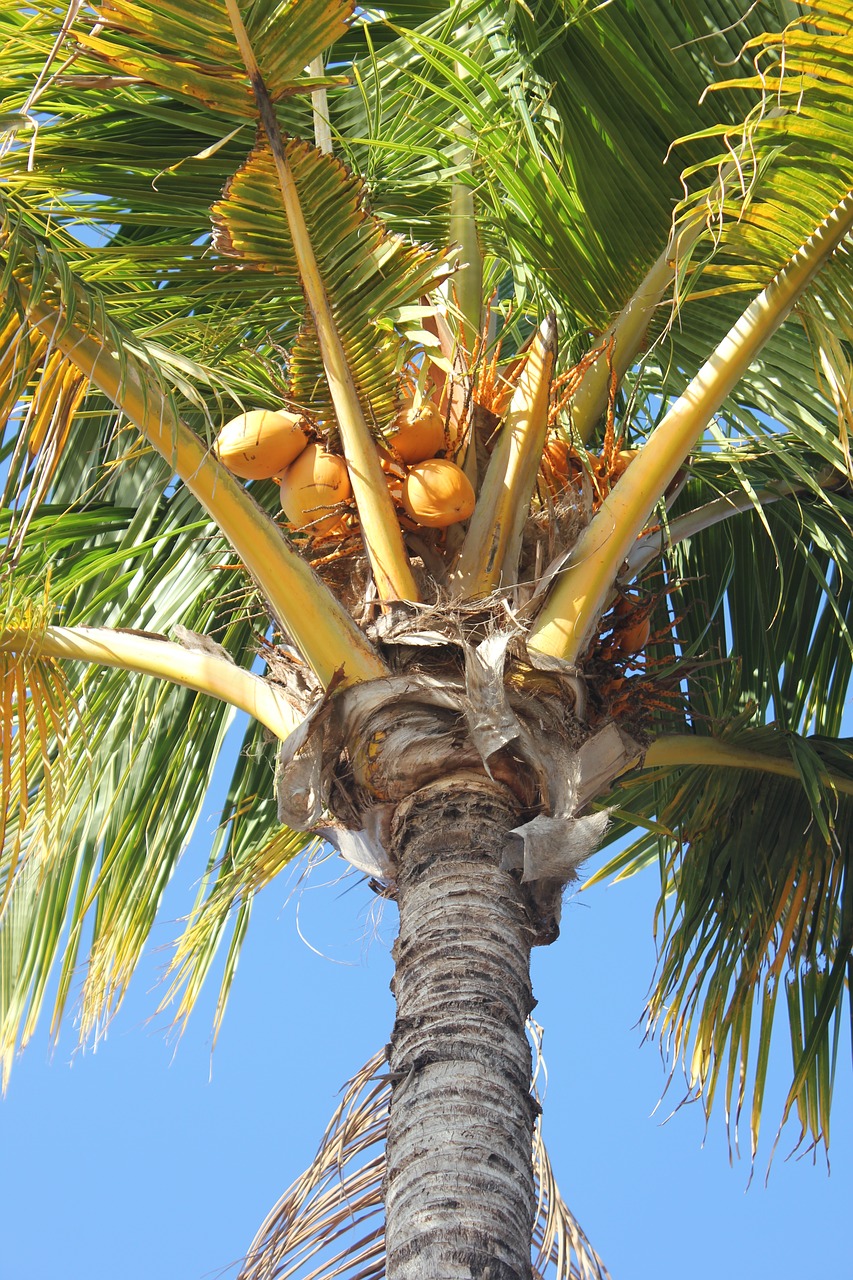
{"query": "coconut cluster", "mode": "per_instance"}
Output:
(265, 444)
(314, 482)
(435, 492)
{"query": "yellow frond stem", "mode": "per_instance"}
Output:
(675, 750)
(205, 672)
(490, 551)
(578, 596)
(619, 347)
(383, 537)
(320, 627)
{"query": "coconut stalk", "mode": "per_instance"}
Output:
(383, 538)
(206, 672)
(301, 604)
(575, 602)
(490, 552)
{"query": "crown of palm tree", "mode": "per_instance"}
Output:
(175, 249)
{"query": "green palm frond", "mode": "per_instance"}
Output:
(755, 904)
(372, 279)
(37, 711)
(793, 162)
(190, 50)
(250, 849)
(111, 808)
(768, 591)
(570, 130)
(622, 83)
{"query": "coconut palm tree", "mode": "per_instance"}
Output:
(612, 593)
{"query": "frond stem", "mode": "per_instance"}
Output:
(383, 537)
(675, 750)
(574, 604)
(156, 656)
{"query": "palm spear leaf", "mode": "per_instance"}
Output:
(751, 906)
(328, 1225)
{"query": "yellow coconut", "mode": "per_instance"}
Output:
(438, 493)
(418, 433)
(311, 489)
(261, 443)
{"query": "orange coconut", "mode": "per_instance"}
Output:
(633, 638)
(559, 465)
(261, 443)
(418, 433)
(622, 461)
(312, 487)
(438, 493)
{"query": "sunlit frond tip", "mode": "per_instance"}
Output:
(37, 715)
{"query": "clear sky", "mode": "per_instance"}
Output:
(149, 1161)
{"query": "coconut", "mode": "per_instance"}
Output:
(559, 465)
(438, 493)
(311, 489)
(633, 638)
(261, 443)
(418, 433)
(622, 461)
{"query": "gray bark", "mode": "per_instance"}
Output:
(459, 1191)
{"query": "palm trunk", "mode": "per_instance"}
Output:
(459, 1192)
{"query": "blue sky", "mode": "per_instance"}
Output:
(150, 1160)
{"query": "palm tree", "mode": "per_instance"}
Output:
(644, 621)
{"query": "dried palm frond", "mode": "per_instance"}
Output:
(329, 1224)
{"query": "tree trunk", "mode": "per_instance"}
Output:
(459, 1194)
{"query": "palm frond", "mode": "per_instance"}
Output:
(752, 906)
(374, 281)
(191, 51)
(116, 777)
(768, 594)
(37, 712)
(793, 162)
